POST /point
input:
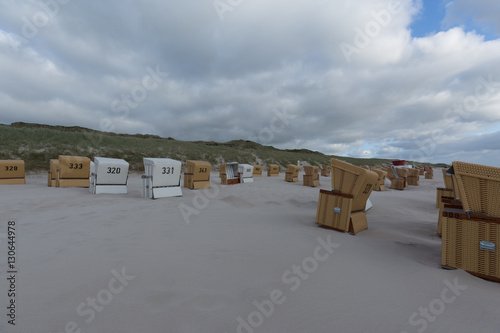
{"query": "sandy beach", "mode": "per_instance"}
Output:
(240, 258)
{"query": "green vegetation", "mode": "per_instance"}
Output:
(36, 144)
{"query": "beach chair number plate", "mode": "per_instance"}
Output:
(76, 166)
(167, 170)
(11, 168)
(367, 188)
(114, 171)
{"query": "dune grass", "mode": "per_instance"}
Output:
(36, 144)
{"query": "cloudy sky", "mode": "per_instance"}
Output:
(406, 79)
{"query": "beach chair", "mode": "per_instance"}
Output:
(197, 175)
(257, 170)
(382, 175)
(343, 208)
(162, 178)
(403, 173)
(413, 177)
(12, 172)
(311, 177)
(325, 170)
(397, 182)
(109, 175)
(429, 173)
(245, 173)
(229, 173)
(273, 170)
(471, 227)
(292, 175)
(73, 171)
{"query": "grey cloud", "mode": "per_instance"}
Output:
(228, 79)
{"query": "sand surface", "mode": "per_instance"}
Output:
(239, 258)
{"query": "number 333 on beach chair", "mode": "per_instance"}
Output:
(73, 171)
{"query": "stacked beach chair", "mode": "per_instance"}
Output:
(197, 175)
(292, 175)
(413, 177)
(311, 177)
(12, 172)
(429, 173)
(403, 173)
(273, 170)
(343, 208)
(397, 182)
(325, 170)
(228, 173)
(382, 175)
(471, 227)
(257, 170)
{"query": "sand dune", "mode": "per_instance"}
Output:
(239, 258)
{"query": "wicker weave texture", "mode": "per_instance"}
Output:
(479, 188)
(461, 246)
